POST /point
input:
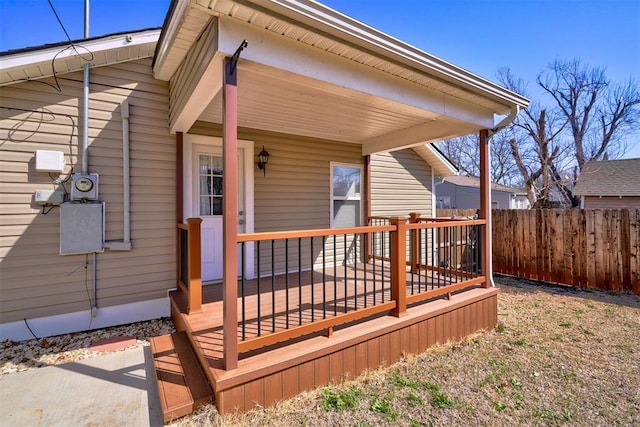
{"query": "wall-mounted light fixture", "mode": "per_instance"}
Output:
(263, 159)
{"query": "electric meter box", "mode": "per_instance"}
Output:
(81, 228)
(49, 161)
(84, 186)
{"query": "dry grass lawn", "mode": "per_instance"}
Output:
(558, 356)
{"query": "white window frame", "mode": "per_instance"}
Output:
(358, 197)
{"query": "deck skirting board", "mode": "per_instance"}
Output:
(289, 370)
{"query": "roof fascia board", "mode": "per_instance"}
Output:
(342, 27)
(23, 59)
(176, 11)
(445, 162)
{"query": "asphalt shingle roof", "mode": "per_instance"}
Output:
(609, 178)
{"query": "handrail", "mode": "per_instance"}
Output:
(443, 224)
(294, 234)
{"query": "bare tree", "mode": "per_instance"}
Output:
(598, 112)
(535, 144)
(464, 154)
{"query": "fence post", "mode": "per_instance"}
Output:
(399, 266)
(414, 218)
(194, 275)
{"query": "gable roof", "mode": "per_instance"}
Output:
(438, 161)
(474, 182)
(37, 62)
(609, 178)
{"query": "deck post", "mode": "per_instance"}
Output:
(485, 206)
(230, 214)
(367, 204)
(194, 268)
(414, 218)
(399, 266)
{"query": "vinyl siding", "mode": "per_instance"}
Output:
(36, 280)
(295, 193)
(400, 184)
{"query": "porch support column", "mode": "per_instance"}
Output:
(485, 205)
(230, 214)
(399, 266)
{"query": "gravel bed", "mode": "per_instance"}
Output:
(38, 353)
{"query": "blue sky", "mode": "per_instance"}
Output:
(479, 35)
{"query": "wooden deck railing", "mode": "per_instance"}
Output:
(444, 256)
(310, 281)
(189, 263)
(314, 280)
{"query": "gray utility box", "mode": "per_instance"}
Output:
(81, 228)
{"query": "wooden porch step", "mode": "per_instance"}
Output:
(182, 385)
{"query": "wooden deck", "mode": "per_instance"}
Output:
(287, 367)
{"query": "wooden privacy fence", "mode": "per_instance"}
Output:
(587, 248)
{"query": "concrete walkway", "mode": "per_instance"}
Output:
(116, 389)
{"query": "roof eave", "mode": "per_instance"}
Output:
(33, 56)
(342, 26)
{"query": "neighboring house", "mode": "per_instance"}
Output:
(463, 192)
(609, 184)
(346, 114)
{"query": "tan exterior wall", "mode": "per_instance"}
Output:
(35, 280)
(295, 193)
(400, 184)
(612, 202)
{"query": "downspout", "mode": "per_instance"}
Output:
(515, 109)
(125, 244)
(124, 111)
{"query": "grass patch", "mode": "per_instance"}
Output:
(499, 406)
(403, 382)
(438, 398)
(382, 406)
(565, 324)
(339, 400)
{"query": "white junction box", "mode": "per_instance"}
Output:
(84, 186)
(81, 228)
(48, 197)
(49, 161)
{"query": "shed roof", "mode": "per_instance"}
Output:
(609, 178)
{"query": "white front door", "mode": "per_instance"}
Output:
(207, 198)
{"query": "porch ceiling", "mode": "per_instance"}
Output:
(277, 103)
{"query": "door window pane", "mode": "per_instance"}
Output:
(210, 182)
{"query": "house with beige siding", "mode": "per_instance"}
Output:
(609, 184)
(262, 172)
